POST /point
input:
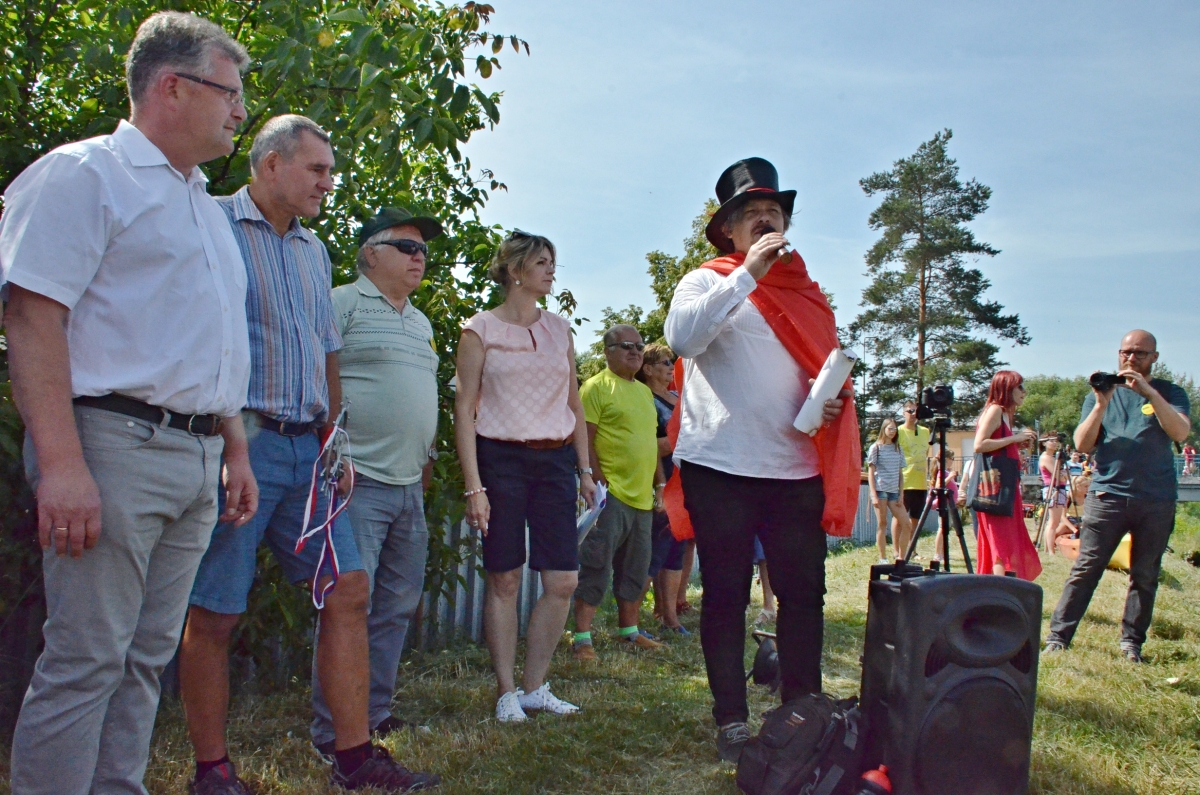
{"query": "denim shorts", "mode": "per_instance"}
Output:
(534, 488)
(888, 496)
(283, 468)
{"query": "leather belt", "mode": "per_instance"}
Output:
(546, 444)
(290, 429)
(195, 424)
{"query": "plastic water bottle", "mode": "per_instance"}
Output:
(875, 782)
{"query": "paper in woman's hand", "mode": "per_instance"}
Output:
(829, 383)
(589, 516)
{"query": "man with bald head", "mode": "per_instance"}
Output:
(1130, 427)
(622, 426)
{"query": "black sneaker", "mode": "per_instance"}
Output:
(384, 773)
(1053, 647)
(221, 780)
(731, 739)
(382, 729)
(390, 724)
(325, 751)
(1132, 654)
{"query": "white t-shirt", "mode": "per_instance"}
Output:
(145, 260)
(742, 389)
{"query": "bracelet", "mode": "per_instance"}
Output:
(473, 492)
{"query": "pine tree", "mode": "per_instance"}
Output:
(925, 318)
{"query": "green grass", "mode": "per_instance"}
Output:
(1103, 727)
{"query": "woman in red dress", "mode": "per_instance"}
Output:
(1004, 543)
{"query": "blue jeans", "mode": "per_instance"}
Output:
(393, 542)
(283, 468)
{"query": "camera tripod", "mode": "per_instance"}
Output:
(1050, 496)
(947, 511)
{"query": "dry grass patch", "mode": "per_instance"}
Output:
(1104, 727)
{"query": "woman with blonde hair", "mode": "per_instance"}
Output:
(885, 465)
(1004, 543)
(521, 441)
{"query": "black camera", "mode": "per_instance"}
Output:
(1103, 382)
(936, 402)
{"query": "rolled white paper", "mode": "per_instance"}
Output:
(829, 382)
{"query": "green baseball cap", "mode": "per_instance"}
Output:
(399, 216)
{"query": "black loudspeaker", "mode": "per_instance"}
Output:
(949, 680)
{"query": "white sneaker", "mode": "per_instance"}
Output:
(508, 708)
(542, 700)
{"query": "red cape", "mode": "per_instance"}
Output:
(800, 315)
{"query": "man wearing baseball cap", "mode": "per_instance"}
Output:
(388, 365)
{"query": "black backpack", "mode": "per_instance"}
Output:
(809, 746)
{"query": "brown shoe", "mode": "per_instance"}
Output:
(585, 653)
(639, 641)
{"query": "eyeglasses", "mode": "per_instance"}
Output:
(629, 346)
(910, 411)
(406, 246)
(234, 96)
(1132, 354)
(517, 234)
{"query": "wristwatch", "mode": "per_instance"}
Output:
(583, 470)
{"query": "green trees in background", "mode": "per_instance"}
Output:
(396, 83)
(665, 272)
(925, 319)
(1053, 403)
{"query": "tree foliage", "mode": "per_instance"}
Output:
(397, 83)
(925, 318)
(665, 272)
(1053, 403)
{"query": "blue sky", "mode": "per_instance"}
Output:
(1082, 117)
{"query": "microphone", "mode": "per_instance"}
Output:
(783, 254)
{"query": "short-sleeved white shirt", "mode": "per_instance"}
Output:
(145, 260)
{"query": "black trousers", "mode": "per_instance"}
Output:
(727, 511)
(1106, 519)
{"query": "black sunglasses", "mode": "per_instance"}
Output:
(234, 95)
(406, 246)
(628, 346)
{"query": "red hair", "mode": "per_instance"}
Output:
(1001, 390)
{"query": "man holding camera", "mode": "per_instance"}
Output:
(1131, 426)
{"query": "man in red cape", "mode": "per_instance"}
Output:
(744, 469)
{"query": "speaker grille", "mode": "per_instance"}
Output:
(975, 741)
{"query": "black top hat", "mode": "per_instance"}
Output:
(752, 178)
(399, 216)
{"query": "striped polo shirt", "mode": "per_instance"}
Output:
(288, 312)
(389, 376)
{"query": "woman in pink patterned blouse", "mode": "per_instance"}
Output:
(521, 441)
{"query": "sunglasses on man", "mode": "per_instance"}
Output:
(629, 346)
(406, 246)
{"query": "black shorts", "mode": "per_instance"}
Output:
(667, 553)
(529, 487)
(914, 502)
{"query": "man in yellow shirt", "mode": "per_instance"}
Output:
(622, 425)
(914, 441)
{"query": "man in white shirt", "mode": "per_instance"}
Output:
(744, 468)
(126, 299)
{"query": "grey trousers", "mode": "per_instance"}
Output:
(1106, 519)
(393, 543)
(114, 616)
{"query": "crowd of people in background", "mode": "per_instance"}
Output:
(181, 360)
